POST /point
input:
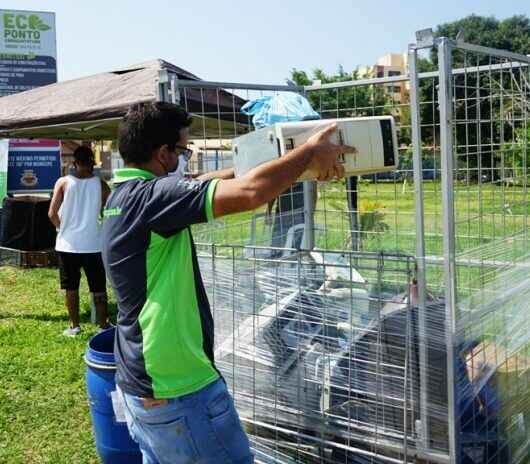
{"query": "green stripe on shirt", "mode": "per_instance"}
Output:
(209, 199)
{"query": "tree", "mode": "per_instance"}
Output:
(507, 34)
(485, 103)
(369, 100)
(344, 102)
(486, 96)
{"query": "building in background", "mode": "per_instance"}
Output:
(389, 65)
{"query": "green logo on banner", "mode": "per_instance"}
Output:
(23, 28)
(36, 23)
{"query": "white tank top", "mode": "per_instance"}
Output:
(80, 230)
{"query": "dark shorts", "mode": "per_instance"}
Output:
(70, 265)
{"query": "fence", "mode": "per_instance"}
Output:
(384, 319)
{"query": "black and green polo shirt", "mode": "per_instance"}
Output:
(164, 336)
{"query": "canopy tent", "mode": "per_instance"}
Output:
(90, 108)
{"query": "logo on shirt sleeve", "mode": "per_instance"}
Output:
(111, 212)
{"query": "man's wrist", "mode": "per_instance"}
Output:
(310, 152)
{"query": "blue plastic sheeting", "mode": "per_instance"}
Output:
(279, 108)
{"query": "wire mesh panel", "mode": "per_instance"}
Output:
(319, 350)
(489, 135)
(374, 212)
(491, 145)
(382, 215)
(218, 120)
(336, 354)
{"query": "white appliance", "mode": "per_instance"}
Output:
(374, 138)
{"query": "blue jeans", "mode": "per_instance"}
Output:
(200, 428)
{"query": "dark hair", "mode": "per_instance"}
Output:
(85, 156)
(147, 127)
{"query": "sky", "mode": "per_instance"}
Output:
(245, 41)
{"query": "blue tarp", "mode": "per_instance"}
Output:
(279, 108)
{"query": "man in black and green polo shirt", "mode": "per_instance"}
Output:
(177, 405)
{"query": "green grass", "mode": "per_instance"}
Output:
(44, 414)
(484, 214)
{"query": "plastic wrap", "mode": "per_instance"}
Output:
(322, 353)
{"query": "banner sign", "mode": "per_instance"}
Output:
(33, 165)
(28, 59)
(28, 50)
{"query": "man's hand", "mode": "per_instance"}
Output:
(325, 164)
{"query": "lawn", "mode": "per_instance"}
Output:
(484, 214)
(44, 415)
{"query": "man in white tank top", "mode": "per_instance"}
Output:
(75, 211)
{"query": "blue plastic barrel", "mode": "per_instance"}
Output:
(113, 442)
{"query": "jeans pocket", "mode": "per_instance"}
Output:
(227, 428)
(171, 441)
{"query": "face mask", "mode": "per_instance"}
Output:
(181, 168)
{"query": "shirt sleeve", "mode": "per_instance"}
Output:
(175, 203)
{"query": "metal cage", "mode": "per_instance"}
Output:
(384, 318)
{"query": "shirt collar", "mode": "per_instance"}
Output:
(125, 174)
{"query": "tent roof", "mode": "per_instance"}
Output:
(91, 107)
